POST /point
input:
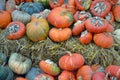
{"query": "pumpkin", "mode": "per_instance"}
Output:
(19, 63)
(110, 17)
(71, 61)
(15, 30)
(82, 15)
(45, 3)
(55, 3)
(85, 37)
(99, 76)
(49, 67)
(96, 25)
(113, 70)
(56, 34)
(21, 78)
(5, 73)
(32, 73)
(20, 1)
(60, 18)
(10, 6)
(78, 28)
(5, 19)
(3, 58)
(100, 8)
(83, 4)
(110, 28)
(116, 12)
(113, 2)
(84, 73)
(116, 35)
(66, 75)
(2, 4)
(23, 16)
(44, 77)
(104, 40)
(97, 68)
(37, 30)
(31, 7)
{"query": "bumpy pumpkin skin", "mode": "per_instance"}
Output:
(71, 61)
(19, 63)
(104, 40)
(37, 29)
(66, 75)
(116, 12)
(84, 73)
(56, 34)
(5, 19)
(60, 18)
(49, 67)
(15, 30)
(44, 77)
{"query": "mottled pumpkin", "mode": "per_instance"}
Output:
(5, 19)
(31, 7)
(23, 16)
(85, 37)
(84, 73)
(2, 4)
(32, 73)
(45, 3)
(56, 34)
(49, 67)
(104, 40)
(60, 18)
(96, 25)
(15, 30)
(37, 29)
(21, 1)
(66, 75)
(71, 61)
(10, 6)
(19, 63)
(44, 77)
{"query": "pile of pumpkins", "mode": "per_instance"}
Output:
(70, 66)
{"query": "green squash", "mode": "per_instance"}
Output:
(45, 3)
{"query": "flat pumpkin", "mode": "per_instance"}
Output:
(60, 18)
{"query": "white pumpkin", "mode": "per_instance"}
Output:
(116, 35)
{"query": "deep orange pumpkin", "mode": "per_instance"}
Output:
(5, 19)
(21, 78)
(86, 37)
(99, 76)
(104, 40)
(84, 73)
(71, 61)
(66, 75)
(60, 18)
(56, 34)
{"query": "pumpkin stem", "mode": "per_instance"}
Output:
(68, 52)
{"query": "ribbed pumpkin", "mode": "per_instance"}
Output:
(3, 58)
(45, 3)
(49, 67)
(10, 6)
(2, 4)
(37, 29)
(31, 7)
(20, 1)
(5, 19)
(23, 16)
(19, 63)
(32, 73)
(6, 73)
(71, 61)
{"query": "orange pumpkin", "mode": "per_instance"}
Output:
(71, 61)
(99, 76)
(20, 1)
(56, 34)
(110, 17)
(104, 40)
(85, 38)
(5, 19)
(60, 18)
(97, 68)
(110, 28)
(21, 78)
(84, 73)
(49, 67)
(66, 75)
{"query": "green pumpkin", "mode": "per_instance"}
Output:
(5, 73)
(45, 3)
(19, 63)
(37, 29)
(3, 58)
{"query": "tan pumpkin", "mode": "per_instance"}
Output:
(60, 35)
